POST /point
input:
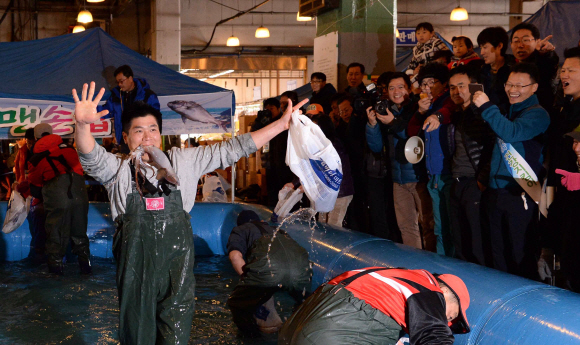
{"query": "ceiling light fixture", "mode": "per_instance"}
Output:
(95, 0)
(78, 28)
(233, 41)
(302, 18)
(221, 73)
(85, 17)
(459, 14)
(262, 32)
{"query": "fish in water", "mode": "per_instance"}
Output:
(190, 110)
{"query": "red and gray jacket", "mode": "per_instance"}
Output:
(410, 297)
(51, 158)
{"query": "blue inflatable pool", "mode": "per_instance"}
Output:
(504, 308)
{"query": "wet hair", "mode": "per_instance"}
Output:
(125, 69)
(272, 101)
(397, 75)
(139, 109)
(318, 75)
(466, 41)
(447, 54)
(247, 216)
(442, 285)
(471, 73)
(572, 53)
(529, 69)
(425, 25)
(356, 64)
(526, 26)
(291, 95)
(327, 126)
(494, 36)
(434, 70)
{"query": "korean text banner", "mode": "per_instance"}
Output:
(182, 114)
(17, 115)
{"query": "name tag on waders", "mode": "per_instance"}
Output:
(155, 204)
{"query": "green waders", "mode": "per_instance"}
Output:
(154, 251)
(288, 269)
(66, 205)
(333, 316)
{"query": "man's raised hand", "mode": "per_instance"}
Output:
(86, 107)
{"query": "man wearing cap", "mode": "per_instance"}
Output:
(55, 176)
(267, 262)
(376, 305)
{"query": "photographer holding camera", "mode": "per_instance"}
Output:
(388, 132)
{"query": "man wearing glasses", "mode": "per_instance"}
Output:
(528, 46)
(511, 212)
(321, 91)
(127, 91)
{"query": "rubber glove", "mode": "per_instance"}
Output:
(570, 180)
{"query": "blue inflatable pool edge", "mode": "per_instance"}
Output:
(503, 309)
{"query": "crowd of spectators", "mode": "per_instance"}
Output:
(483, 120)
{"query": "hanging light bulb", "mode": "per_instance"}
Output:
(459, 14)
(95, 0)
(233, 41)
(397, 34)
(302, 18)
(78, 28)
(85, 17)
(262, 32)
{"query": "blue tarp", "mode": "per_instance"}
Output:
(48, 69)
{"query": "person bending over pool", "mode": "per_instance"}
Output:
(266, 264)
(153, 244)
(377, 305)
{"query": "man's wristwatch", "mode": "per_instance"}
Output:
(439, 117)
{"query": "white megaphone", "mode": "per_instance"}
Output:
(414, 150)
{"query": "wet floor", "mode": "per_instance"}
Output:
(38, 308)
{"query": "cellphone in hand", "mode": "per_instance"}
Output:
(473, 88)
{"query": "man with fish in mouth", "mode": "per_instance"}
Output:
(153, 244)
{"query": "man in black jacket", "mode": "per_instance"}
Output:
(528, 46)
(470, 169)
(321, 91)
(494, 74)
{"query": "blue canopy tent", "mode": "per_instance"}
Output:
(38, 76)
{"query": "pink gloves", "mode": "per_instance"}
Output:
(570, 180)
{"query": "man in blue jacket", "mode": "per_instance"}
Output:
(511, 212)
(128, 91)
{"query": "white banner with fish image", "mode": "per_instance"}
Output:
(197, 114)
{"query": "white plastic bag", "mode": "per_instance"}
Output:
(311, 157)
(213, 190)
(16, 212)
(287, 198)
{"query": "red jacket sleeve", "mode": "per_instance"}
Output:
(446, 110)
(20, 165)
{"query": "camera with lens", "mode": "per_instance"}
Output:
(371, 98)
(264, 117)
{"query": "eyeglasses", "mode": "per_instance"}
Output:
(429, 83)
(509, 86)
(525, 41)
(315, 81)
(121, 81)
